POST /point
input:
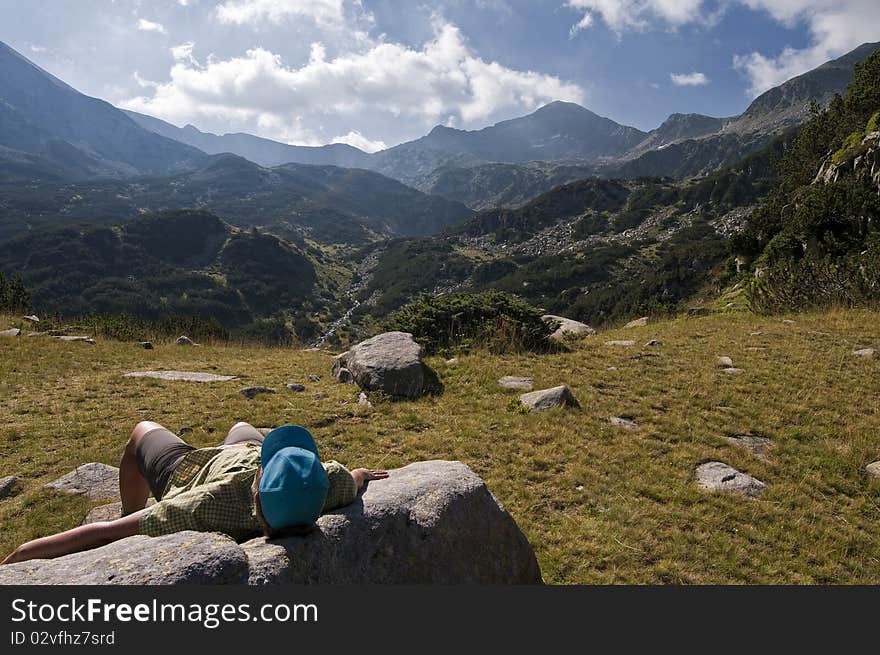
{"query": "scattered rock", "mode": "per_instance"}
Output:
(184, 340)
(624, 423)
(181, 376)
(539, 401)
(320, 395)
(146, 345)
(644, 356)
(452, 362)
(11, 332)
(180, 558)
(512, 382)
(788, 321)
(296, 387)
(873, 470)
(390, 362)
(77, 339)
(109, 512)
(611, 368)
(653, 342)
(252, 392)
(718, 476)
(733, 371)
(94, 480)
(620, 343)
(639, 322)
(698, 311)
(32, 318)
(7, 485)
(363, 401)
(428, 523)
(865, 352)
(568, 328)
(755, 334)
(37, 334)
(315, 378)
(758, 445)
(725, 362)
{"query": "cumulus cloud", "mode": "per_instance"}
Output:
(358, 140)
(145, 25)
(836, 27)
(257, 11)
(638, 15)
(689, 79)
(442, 80)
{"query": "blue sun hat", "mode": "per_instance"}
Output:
(293, 486)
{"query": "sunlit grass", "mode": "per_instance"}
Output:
(598, 503)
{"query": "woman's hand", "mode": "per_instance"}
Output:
(362, 476)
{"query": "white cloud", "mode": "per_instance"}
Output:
(689, 79)
(835, 26)
(145, 25)
(358, 140)
(443, 78)
(240, 12)
(638, 15)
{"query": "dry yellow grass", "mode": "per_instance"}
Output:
(598, 503)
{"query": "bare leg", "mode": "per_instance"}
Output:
(241, 434)
(133, 487)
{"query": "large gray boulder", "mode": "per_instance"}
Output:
(180, 558)
(568, 328)
(94, 480)
(428, 523)
(390, 363)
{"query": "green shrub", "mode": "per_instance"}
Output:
(493, 320)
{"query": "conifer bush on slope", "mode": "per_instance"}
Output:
(495, 320)
(817, 241)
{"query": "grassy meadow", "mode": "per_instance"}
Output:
(598, 503)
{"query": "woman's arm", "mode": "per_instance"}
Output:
(72, 541)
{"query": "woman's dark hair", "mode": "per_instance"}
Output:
(268, 531)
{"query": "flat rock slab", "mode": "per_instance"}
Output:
(620, 343)
(109, 512)
(181, 376)
(624, 423)
(758, 445)
(94, 480)
(539, 401)
(718, 476)
(76, 339)
(7, 485)
(428, 523)
(865, 352)
(639, 322)
(513, 382)
(568, 328)
(733, 371)
(180, 558)
(873, 470)
(252, 392)
(725, 362)
(11, 332)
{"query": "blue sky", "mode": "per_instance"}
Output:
(375, 73)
